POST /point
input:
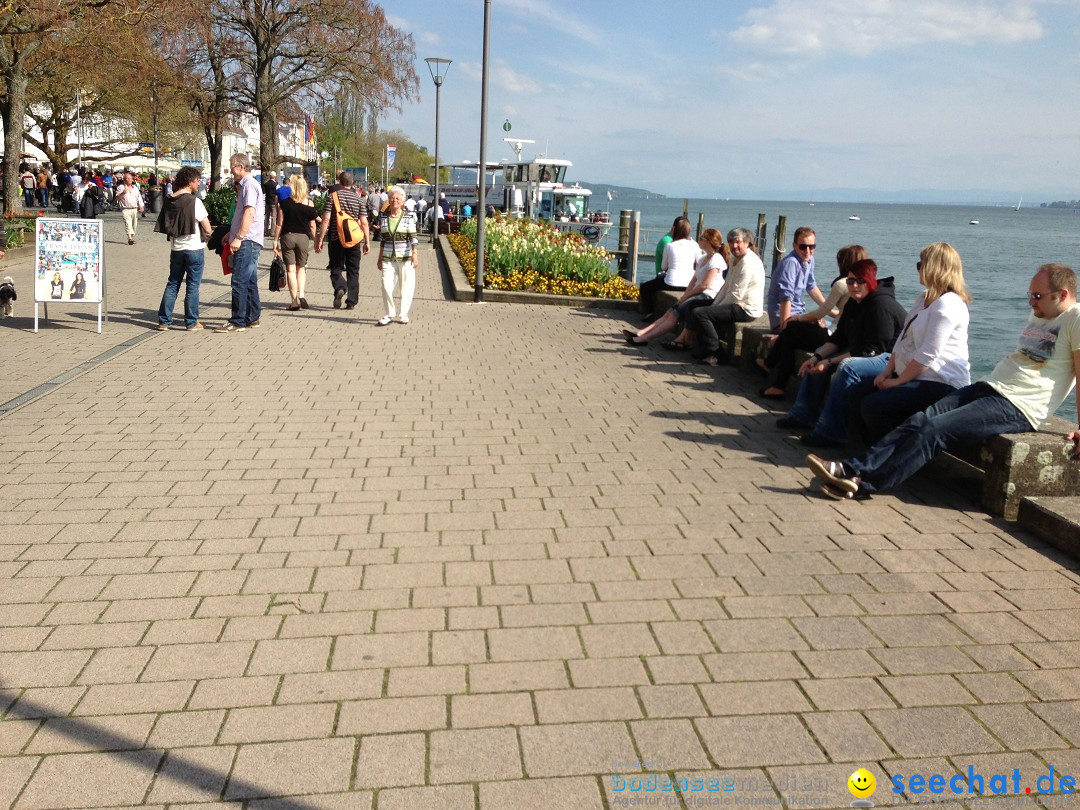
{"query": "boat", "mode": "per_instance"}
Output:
(973, 222)
(855, 218)
(536, 189)
(527, 189)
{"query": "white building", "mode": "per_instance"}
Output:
(241, 134)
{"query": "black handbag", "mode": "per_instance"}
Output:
(277, 274)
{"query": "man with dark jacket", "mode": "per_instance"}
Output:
(184, 220)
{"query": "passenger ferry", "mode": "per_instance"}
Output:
(534, 189)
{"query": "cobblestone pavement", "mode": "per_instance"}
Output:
(491, 559)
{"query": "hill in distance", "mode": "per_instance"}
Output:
(600, 190)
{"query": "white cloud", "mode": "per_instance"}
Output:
(825, 27)
(542, 12)
(503, 77)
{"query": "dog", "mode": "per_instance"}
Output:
(7, 295)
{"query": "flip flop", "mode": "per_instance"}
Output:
(676, 346)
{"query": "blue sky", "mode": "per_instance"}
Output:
(741, 99)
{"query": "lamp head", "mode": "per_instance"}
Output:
(437, 67)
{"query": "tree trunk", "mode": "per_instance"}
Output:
(268, 135)
(213, 143)
(13, 113)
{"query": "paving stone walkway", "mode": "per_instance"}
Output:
(491, 559)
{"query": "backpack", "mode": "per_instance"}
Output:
(349, 232)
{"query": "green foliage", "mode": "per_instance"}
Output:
(15, 236)
(219, 203)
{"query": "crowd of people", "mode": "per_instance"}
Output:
(287, 214)
(899, 381)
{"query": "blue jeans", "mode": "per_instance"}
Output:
(183, 263)
(43, 197)
(246, 307)
(28, 197)
(853, 379)
(882, 411)
(965, 416)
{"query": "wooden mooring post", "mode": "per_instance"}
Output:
(762, 235)
(778, 240)
(700, 224)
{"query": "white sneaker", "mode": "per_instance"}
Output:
(383, 321)
(401, 319)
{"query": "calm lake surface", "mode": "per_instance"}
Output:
(1000, 254)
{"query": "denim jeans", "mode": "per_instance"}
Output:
(183, 263)
(882, 411)
(43, 197)
(853, 379)
(965, 416)
(28, 197)
(246, 306)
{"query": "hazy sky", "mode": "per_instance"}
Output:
(736, 99)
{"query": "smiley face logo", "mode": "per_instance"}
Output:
(862, 784)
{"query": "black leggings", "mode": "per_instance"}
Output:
(647, 294)
(796, 336)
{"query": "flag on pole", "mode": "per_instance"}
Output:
(391, 156)
(309, 130)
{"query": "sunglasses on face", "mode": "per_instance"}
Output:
(1038, 296)
(852, 282)
(806, 247)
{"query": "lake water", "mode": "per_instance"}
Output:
(1000, 254)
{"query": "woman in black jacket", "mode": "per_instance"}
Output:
(843, 368)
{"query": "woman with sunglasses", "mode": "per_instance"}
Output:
(851, 358)
(806, 331)
(930, 358)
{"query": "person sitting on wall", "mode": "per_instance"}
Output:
(1018, 396)
(741, 300)
(676, 267)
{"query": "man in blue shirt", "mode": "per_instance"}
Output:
(793, 277)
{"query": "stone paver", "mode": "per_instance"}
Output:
(490, 559)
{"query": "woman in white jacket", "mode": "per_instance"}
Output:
(930, 357)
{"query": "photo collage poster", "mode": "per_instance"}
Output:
(68, 260)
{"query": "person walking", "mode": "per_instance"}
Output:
(246, 242)
(296, 222)
(183, 217)
(344, 197)
(130, 201)
(397, 238)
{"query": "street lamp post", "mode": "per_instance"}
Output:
(481, 204)
(437, 67)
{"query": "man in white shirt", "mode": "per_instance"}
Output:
(1024, 389)
(130, 201)
(184, 220)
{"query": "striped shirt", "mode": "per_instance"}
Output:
(397, 242)
(351, 203)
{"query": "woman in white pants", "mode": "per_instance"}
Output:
(397, 238)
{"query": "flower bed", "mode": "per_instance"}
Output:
(534, 257)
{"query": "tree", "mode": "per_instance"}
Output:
(29, 30)
(296, 52)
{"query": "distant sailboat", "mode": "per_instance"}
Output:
(854, 217)
(1018, 204)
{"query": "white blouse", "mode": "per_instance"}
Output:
(937, 337)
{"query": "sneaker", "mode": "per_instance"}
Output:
(339, 296)
(401, 319)
(229, 327)
(254, 325)
(196, 328)
(383, 321)
(163, 327)
(834, 492)
(834, 474)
